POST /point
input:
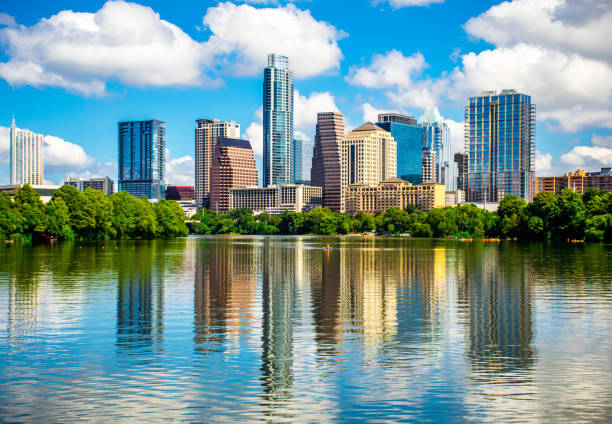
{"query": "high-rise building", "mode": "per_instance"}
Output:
(461, 162)
(26, 156)
(436, 135)
(500, 142)
(104, 184)
(141, 158)
(207, 132)
(326, 158)
(297, 147)
(430, 171)
(368, 156)
(408, 135)
(277, 121)
(233, 166)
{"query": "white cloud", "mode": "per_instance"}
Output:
(602, 140)
(180, 171)
(590, 158)
(5, 144)
(6, 19)
(245, 35)
(457, 139)
(543, 162)
(370, 112)
(254, 133)
(396, 4)
(59, 153)
(306, 109)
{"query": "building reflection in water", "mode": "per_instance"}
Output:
(140, 298)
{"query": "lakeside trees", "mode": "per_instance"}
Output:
(89, 215)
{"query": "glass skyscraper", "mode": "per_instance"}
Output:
(141, 158)
(278, 121)
(297, 147)
(409, 136)
(500, 143)
(436, 135)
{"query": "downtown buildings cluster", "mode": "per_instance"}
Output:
(394, 162)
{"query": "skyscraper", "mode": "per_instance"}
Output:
(326, 158)
(436, 135)
(297, 147)
(141, 158)
(26, 156)
(430, 174)
(408, 135)
(277, 121)
(461, 162)
(500, 142)
(233, 166)
(207, 132)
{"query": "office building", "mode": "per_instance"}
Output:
(393, 192)
(297, 147)
(578, 181)
(104, 184)
(409, 136)
(277, 121)
(455, 197)
(461, 163)
(207, 132)
(436, 135)
(430, 169)
(26, 156)
(180, 193)
(233, 166)
(500, 143)
(276, 199)
(142, 146)
(326, 158)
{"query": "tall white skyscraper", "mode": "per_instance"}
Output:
(278, 121)
(436, 135)
(26, 156)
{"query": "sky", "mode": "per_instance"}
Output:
(71, 70)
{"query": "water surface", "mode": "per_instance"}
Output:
(284, 329)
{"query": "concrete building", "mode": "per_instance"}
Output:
(410, 139)
(277, 199)
(142, 164)
(579, 181)
(500, 143)
(430, 169)
(436, 133)
(180, 193)
(277, 121)
(44, 191)
(233, 166)
(297, 146)
(207, 132)
(27, 166)
(104, 184)
(454, 198)
(326, 158)
(368, 156)
(393, 192)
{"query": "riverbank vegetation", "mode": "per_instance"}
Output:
(89, 215)
(568, 216)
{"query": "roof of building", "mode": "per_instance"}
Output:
(431, 115)
(368, 126)
(234, 142)
(395, 180)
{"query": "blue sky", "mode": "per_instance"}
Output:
(71, 69)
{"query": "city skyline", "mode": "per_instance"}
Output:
(356, 72)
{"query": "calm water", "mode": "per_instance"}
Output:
(279, 329)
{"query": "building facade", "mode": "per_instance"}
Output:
(436, 133)
(142, 166)
(393, 192)
(207, 132)
(409, 136)
(297, 147)
(277, 121)
(430, 170)
(104, 184)
(500, 142)
(276, 199)
(180, 193)
(27, 165)
(461, 162)
(578, 181)
(233, 166)
(326, 158)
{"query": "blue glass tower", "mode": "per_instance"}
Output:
(278, 121)
(297, 159)
(437, 139)
(141, 158)
(500, 142)
(409, 136)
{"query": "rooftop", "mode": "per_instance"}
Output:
(368, 126)
(234, 142)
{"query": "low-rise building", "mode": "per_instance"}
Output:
(277, 198)
(44, 191)
(393, 192)
(455, 197)
(180, 193)
(104, 184)
(579, 181)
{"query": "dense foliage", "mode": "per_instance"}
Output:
(89, 215)
(568, 216)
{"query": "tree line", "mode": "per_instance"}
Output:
(89, 215)
(548, 217)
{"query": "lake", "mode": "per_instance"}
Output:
(315, 329)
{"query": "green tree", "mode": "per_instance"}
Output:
(10, 220)
(31, 209)
(58, 220)
(570, 221)
(170, 219)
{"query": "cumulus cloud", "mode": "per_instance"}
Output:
(457, 139)
(543, 162)
(306, 109)
(396, 4)
(5, 144)
(130, 43)
(590, 158)
(370, 112)
(245, 35)
(59, 153)
(254, 133)
(6, 19)
(602, 140)
(180, 171)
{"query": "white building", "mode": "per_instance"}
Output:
(277, 198)
(26, 156)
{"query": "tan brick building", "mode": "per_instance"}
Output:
(579, 181)
(393, 192)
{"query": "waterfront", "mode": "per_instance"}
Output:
(284, 329)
